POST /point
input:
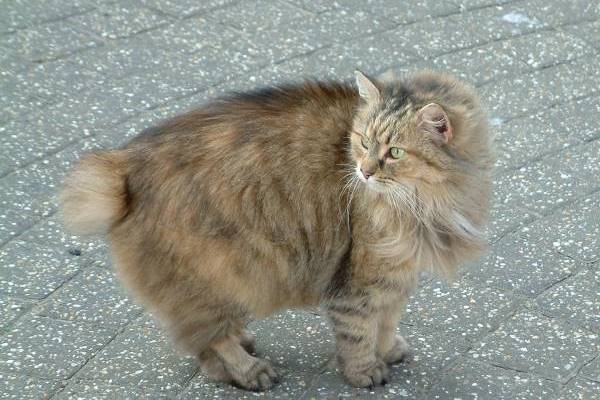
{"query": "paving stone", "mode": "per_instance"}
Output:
(301, 36)
(542, 49)
(32, 271)
(480, 65)
(588, 31)
(545, 132)
(531, 342)
(21, 387)
(12, 308)
(471, 380)
(431, 353)
(469, 4)
(373, 54)
(185, 8)
(565, 12)
(527, 267)
(580, 389)
(92, 296)
(448, 36)
(498, 22)
(22, 13)
(538, 90)
(404, 13)
(259, 15)
(317, 6)
(49, 41)
(459, 308)
(575, 300)
(83, 389)
(140, 356)
(592, 370)
(544, 185)
(50, 348)
(505, 219)
(118, 20)
(190, 36)
(573, 231)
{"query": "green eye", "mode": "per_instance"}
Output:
(396, 152)
(363, 142)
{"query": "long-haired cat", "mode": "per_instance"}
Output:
(312, 194)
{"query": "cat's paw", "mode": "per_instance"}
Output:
(375, 374)
(261, 376)
(397, 352)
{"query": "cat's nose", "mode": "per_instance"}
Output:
(366, 174)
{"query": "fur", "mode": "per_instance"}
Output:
(256, 202)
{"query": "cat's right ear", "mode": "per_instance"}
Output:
(366, 88)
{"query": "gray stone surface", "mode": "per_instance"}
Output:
(473, 380)
(75, 76)
(531, 342)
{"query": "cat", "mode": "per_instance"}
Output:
(316, 193)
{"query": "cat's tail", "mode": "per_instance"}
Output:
(95, 196)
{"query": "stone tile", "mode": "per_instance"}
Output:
(588, 31)
(575, 300)
(449, 35)
(480, 65)
(573, 231)
(459, 308)
(21, 387)
(93, 296)
(471, 380)
(565, 12)
(259, 15)
(531, 342)
(301, 36)
(23, 13)
(469, 4)
(49, 41)
(542, 89)
(542, 49)
(49, 348)
(185, 8)
(140, 356)
(317, 6)
(579, 389)
(498, 22)
(12, 308)
(524, 266)
(372, 54)
(551, 182)
(505, 219)
(592, 370)
(545, 132)
(79, 389)
(430, 355)
(113, 21)
(404, 13)
(31, 271)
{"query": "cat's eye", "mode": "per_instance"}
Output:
(396, 152)
(364, 142)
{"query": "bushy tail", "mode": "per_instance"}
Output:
(94, 196)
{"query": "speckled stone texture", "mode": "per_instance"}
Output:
(520, 323)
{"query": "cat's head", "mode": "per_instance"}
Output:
(401, 140)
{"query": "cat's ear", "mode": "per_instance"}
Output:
(433, 119)
(366, 88)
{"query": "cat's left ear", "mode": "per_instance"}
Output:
(366, 88)
(433, 119)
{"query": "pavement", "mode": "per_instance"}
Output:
(521, 323)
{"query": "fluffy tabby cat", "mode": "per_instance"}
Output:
(293, 196)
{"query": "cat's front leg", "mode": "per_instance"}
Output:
(391, 347)
(355, 321)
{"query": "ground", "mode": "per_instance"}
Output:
(521, 323)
